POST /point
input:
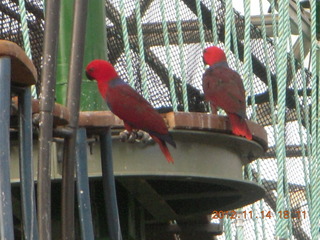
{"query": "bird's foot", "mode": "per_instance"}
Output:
(134, 136)
(123, 136)
(126, 136)
(143, 137)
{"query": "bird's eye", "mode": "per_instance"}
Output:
(90, 70)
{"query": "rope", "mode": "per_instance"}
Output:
(235, 46)
(228, 27)
(274, 23)
(200, 23)
(201, 32)
(248, 78)
(214, 24)
(316, 220)
(182, 58)
(168, 55)
(25, 29)
(261, 202)
(314, 162)
(231, 36)
(143, 67)
(305, 102)
(247, 61)
(239, 228)
(286, 186)
(126, 42)
(281, 62)
(305, 151)
(227, 226)
(25, 36)
(253, 206)
(271, 97)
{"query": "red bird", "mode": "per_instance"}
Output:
(128, 105)
(223, 87)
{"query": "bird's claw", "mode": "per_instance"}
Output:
(129, 137)
(143, 137)
(134, 136)
(124, 135)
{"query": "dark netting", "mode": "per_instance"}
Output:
(11, 26)
(154, 51)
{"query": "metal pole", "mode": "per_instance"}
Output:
(109, 187)
(83, 191)
(73, 105)
(6, 219)
(30, 227)
(48, 81)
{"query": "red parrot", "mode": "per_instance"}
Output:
(128, 105)
(223, 87)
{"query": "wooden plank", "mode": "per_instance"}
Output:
(211, 122)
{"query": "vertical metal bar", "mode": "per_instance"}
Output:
(47, 95)
(83, 186)
(6, 219)
(109, 187)
(67, 204)
(29, 212)
(73, 105)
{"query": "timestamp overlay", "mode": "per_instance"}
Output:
(232, 214)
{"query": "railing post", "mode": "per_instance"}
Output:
(29, 215)
(6, 218)
(47, 95)
(83, 191)
(73, 105)
(109, 187)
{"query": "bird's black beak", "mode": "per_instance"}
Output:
(89, 76)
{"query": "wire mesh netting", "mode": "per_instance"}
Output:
(262, 90)
(204, 23)
(168, 72)
(11, 30)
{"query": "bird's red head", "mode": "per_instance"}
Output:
(100, 70)
(212, 55)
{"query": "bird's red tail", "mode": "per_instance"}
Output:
(164, 149)
(239, 126)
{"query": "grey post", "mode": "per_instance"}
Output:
(6, 218)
